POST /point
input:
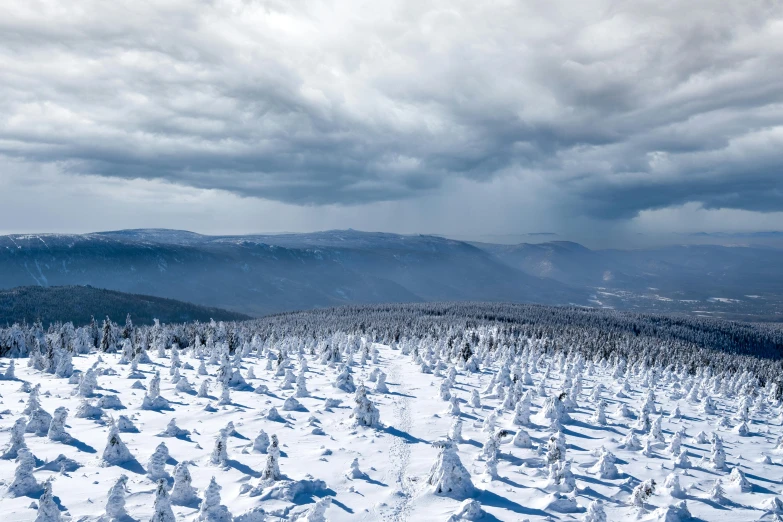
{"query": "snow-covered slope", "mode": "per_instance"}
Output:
(546, 433)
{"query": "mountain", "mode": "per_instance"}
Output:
(78, 304)
(262, 274)
(744, 282)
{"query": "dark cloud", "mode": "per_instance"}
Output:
(619, 107)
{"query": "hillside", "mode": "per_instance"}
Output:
(265, 274)
(78, 304)
(396, 413)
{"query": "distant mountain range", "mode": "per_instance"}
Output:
(261, 274)
(78, 304)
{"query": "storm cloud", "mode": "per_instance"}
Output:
(617, 107)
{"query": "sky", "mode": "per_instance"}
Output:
(599, 121)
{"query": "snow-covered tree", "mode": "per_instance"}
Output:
(344, 381)
(115, 452)
(261, 442)
(642, 493)
(365, 413)
(448, 476)
(24, 482)
(115, 502)
(17, 441)
(48, 511)
(211, 508)
(161, 510)
(57, 426)
(156, 465)
(595, 512)
(738, 480)
(219, 455)
(182, 492)
(272, 468)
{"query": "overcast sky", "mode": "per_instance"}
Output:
(590, 119)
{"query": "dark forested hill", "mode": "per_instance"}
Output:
(78, 303)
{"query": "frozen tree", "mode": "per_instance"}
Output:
(454, 406)
(301, 386)
(203, 390)
(48, 511)
(152, 400)
(561, 478)
(642, 493)
(656, 433)
(599, 416)
(183, 385)
(225, 395)
(522, 439)
(738, 480)
(219, 456)
(643, 423)
(317, 513)
(87, 384)
(156, 466)
(17, 440)
(365, 413)
(672, 485)
(718, 456)
(115, 452)
(291, 404)
(24, 482)
(445, 390)
(682, 461)
(475, 399)
(38, 419)
(455, 431)
(172, 430)
(161, 510)
(354, 471)
(57, 426)
(554, 411)
(448, 476)
(380, 384)
(344, 381)
(86, 410)
(717, 493)
(261, 442)
(64, 367)
(272, 470)
(274, 415)
(522, 411)
(10, 372)
(211, 508)
(115, 503)
(556, 448)
(125, 425)
(595, 512)
(605, 468)
(489, 422)
(182, 492)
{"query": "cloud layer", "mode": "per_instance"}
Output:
(617, 108)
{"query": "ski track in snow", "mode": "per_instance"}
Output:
(400, 453)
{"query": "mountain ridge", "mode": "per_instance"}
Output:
(259, 274)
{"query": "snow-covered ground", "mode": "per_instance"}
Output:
(393, 477)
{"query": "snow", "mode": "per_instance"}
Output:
(394, 452)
